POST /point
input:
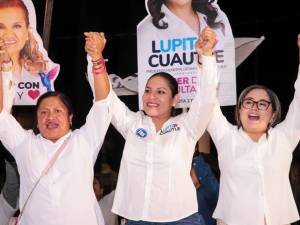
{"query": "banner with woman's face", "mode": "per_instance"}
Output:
(170, 48)
(33, 72)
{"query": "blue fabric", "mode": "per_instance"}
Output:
(208, 192)
(195, 219)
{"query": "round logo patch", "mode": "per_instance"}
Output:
(141, 132)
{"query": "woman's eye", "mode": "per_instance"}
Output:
(161, 92)
(18, 26)
(264, 104)
(43, 112)
(147, 91)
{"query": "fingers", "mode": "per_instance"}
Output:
(94, 44)
(206, 41)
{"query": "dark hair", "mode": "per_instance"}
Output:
(62, 97)
(203, 6)
(275, 103)
(172, 83)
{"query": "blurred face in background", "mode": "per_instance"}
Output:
(13, 29)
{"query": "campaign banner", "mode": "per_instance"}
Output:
(33, 72)
(172, 50)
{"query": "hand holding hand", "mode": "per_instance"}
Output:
(94, 44)
(206, 42)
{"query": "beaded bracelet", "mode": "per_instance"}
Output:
(99, 67)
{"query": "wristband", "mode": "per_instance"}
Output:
(99, 67)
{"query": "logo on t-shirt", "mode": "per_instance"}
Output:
(169, 128)
(141, 133)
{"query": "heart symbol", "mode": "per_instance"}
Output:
(33, 94)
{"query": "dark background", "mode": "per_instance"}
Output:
(274, 63)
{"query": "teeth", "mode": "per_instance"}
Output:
(152, 104)
(9, 42)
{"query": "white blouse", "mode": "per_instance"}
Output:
(254, 182)
(154, 182)
(65, 195)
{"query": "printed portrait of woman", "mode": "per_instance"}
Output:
(32, 72)
(165, 42)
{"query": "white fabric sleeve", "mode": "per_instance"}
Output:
(291, 124)
(218, 126)
(202, 106)
(11, 132)
(122, 116)
(96, 125)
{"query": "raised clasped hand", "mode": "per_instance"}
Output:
(94, 44)
(206, 42)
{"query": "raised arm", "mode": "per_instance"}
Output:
(6, 84)
(291, 124)
(94, 46)
(122, 116)
(206, 96)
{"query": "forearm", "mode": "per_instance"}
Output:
(101, 79)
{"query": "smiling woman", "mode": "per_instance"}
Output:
(51, 191)
(255, 158)
(154, 182)
(29, 59)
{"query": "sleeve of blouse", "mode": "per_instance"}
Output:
(218, 125)
(101, 114)
(291, 124)
(202, 106)
(122, 116)
(96, 125)
(11, 132)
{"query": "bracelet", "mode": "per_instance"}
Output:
(98, 61)
(99, 70)
(99, 67)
